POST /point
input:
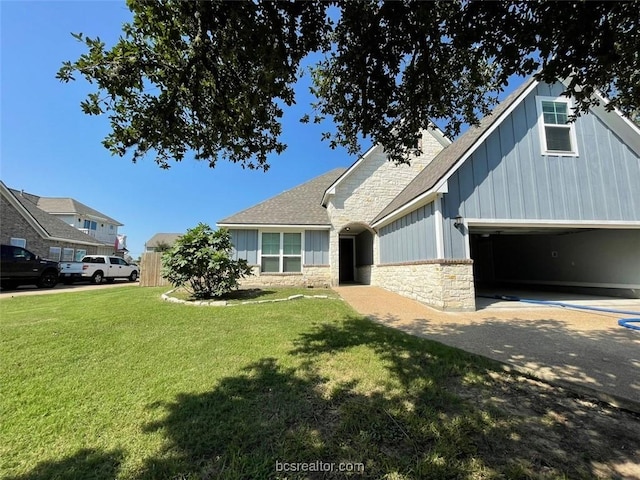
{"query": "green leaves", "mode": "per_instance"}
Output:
(201, 261)
(201, 77)
(212, 78)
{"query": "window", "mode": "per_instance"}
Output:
(292, 252)
(54, 253)
(80, 255)
(93, 260)
(89, 225)
(281, 252)
(557, 135)
(18, 242)
(22, 254)
(67, 254)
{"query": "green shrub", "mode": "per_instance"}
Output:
(201, 262)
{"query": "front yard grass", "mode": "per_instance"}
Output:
(115, 383)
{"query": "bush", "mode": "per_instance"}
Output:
(201, 262)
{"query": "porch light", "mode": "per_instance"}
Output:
(457, 221)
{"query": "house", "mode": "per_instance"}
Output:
(160, 241)
(26, 225)
(97, 225)
(522, 199)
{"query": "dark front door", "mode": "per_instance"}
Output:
(346, 259)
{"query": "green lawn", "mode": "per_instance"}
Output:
(114, 383)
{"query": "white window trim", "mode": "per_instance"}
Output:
(570, 125)
(281, 252)
(18, 242)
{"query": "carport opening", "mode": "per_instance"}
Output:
(583, 261)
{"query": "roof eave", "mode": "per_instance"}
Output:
(331, 190)
(417, 202)
(274, 225)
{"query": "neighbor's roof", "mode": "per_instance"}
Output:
(70, 206)
(52, 226)
(299, 206)
(159, 238)
(429, 177)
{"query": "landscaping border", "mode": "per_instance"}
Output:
(224, 303)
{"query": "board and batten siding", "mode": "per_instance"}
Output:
(316, 247)
(508, 177)
(245, 245)
(410, 238)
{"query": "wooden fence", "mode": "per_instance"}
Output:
(151, 270)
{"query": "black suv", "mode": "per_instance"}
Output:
(19, 266)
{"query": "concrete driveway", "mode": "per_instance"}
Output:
(586, 352)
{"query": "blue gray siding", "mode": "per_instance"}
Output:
(245, 243)
(410, 238)
(507, 177)
(316, 247)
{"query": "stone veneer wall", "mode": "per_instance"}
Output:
(368, 189)
(443, 284)
(312, 276)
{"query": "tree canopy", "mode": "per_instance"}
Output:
(213, 77)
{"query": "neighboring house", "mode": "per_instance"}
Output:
(161, 240)
(525, 198)
(26, 225)
(101, 227)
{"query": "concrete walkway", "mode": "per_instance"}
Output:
(586, 352)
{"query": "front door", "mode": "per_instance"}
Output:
(346, 259)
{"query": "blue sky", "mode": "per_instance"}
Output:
(50, 148)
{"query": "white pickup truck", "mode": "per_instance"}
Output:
(106, 267)
(70, 272)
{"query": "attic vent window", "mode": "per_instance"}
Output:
(557, 134)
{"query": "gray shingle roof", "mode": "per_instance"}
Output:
(447, 158)
(299, 206)
(69, 205)
(158, 238)
(54, 227)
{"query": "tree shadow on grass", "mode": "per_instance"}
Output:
(86, 464)
(252, 425)
(513, 425)
(242, 294)
(432, 417)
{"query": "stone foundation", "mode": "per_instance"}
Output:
(442, 284)
(312, 276)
